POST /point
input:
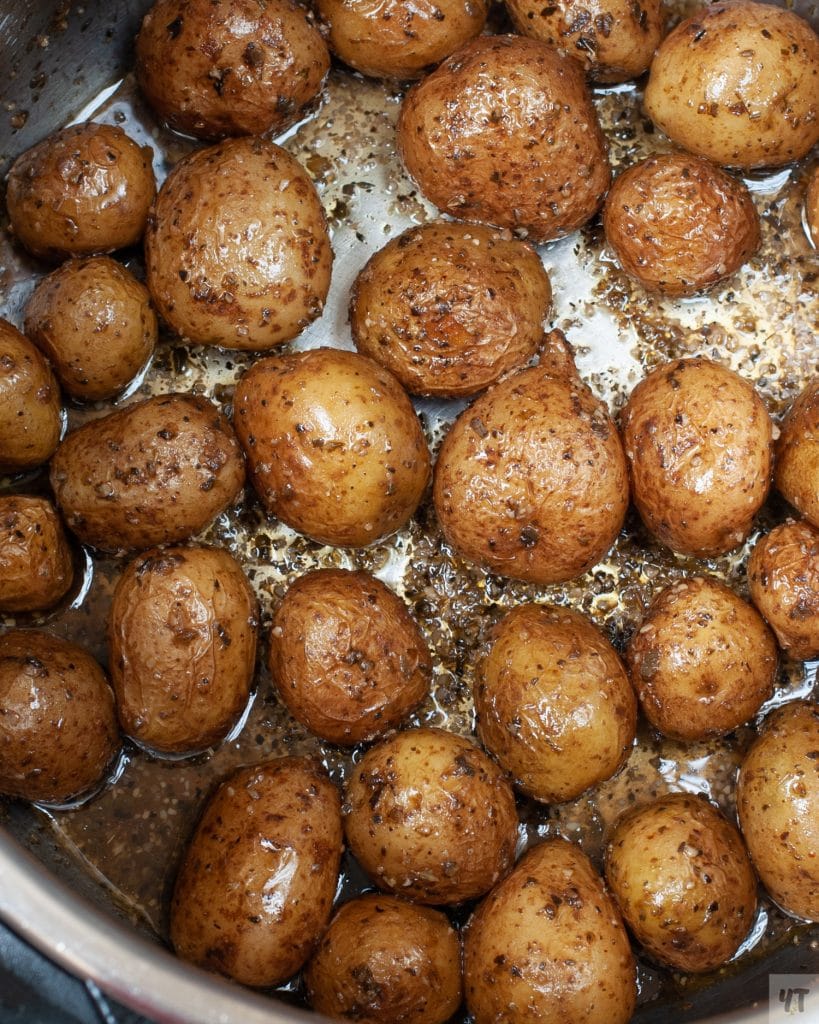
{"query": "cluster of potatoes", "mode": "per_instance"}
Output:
(532, 482)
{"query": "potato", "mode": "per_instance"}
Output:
(334, 446)
(449, 308)
(346, 657)
(237, 252)
(258, 878)
(385, 961)
(536, 163)
(796, 468)
(429, 816)
(58, 728)
(36, 569)
(86, 189)
(698, 439)
(682, 878)
(547, 944)
(812, 206)
(152, 473)
(95, 323)
(737, 83)
(554, 702)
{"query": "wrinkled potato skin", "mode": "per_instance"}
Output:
(429, 816)
(698, 439)
(257, 881)
(35, 560)
(449, 308)
(538, 165)
(682, 878)
(386, 961)
(812, 206)
(796, 468)
(58, 730)
(738, 83)
(552, 657)
(221, 274)
(152, 473)
(30, 409)
(548, 945)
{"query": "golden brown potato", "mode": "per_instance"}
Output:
(449, 308)
(237, 252)
(346, 656)
(386, 961)
(35, 560)
(257, 881)
(58, 728)
(679, 224)
(548, 945)
(538, 165)
(738, 83)
(86, 189)
(796, 468)
(152, 473)
(812, 206)
(429, 816)
(334, 446)
(698, 439)
(554, 702)
(683, 880)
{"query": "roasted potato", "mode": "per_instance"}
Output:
(796, 468)
(812, 206)
(36, 568)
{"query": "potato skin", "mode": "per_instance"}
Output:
(682, 878)
(152, 473)
(449, 308)
(548, 945)
(36, 569)
(796, 467)
(539, 167)
(258, 878)
(429, 816)
(737, 83)
(58, 730)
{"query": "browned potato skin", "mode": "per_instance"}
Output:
(698, 439)
(544, 656)
(812, 206)
(152, 473)
(778, 807)
(350, 483)
(480, 158)
(346, 656)
(30, 409)
(35, 560)
(548, 945)
(738, 83)
(796, 468)
(430, 816)
(386, 961)
(682, 878)
(679, 224)
(58, 730)
(86, 189)
(449, 308)
(257, 881)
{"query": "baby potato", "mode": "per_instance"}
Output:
(505, 132)
(386, 961)
(86, 189)
(35, 560)
(548, 945)
(449, 308)
(698, 439)
(258, 878)
(682, 878)
(812, 206)
(237, 252)
(58, 727)
(796, 467)
(554, 703)
(429, 816)
(737, 83)
(334, 446)
(95, 323)
(346, 656)
(152, 473)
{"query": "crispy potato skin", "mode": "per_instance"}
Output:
(35, 560)
(430, 816)
(152, 473)
(796, 467)
(682, 878)
(257, 881)
(449, 308)
(812, 205)
(738, 83)
(30, 408)
(548, 945)
(538, 165)
(218, 271)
